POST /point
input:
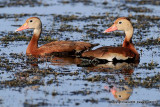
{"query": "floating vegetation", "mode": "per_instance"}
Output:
(57, 82)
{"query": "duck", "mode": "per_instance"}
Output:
(127, 52)
(71, 47)
(121, 93)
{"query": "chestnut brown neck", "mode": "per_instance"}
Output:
(128, 43)
(33, 44)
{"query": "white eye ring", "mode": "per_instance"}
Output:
(120, 22)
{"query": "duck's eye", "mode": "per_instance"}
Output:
(31, 21)
(120, 22)
(119, 95)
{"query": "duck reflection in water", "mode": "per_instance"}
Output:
(120, 93)
(123, 67)
(54, 60)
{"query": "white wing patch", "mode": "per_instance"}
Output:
(111, 56)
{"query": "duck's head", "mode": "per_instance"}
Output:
(121, 23)
(31, 23)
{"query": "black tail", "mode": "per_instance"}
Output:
(93, 45)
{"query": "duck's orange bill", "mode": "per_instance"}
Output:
(112, 28)
(113, 91)
(24, 26)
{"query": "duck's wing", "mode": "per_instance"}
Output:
(66, 46)
(109, 53)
